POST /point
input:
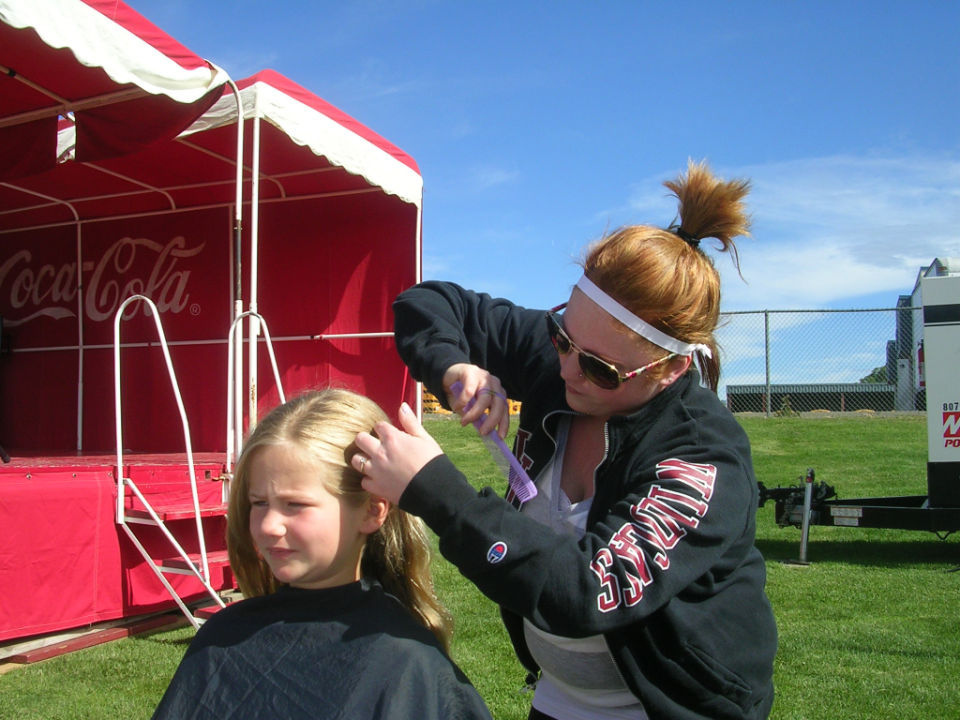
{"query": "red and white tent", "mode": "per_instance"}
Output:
(331, 233)
(125, 81)
(331, 236)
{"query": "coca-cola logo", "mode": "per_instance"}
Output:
(51, 291)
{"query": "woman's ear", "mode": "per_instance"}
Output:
(676, 368)
(377, 510)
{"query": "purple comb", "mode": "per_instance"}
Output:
(520, 482)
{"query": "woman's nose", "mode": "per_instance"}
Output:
(570, 366)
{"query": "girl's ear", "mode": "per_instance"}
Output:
(377, 510)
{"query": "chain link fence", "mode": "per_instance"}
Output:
(783, 362)
(780, 362)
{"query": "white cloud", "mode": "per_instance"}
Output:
(436, 266)
(826, 229)
(490, 176)
(461, 129)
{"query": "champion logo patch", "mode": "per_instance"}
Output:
(497, 552)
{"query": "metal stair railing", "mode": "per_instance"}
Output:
(203, 572)
(235, 424)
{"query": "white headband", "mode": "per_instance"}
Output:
(640, 327)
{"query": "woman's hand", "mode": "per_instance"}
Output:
(486, 388)
(389, 461)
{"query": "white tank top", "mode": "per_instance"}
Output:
(579, 678)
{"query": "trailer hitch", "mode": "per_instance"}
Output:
(793, 494)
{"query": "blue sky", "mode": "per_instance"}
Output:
(537, 126)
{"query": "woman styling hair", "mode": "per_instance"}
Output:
(340, 617)
(630, 585)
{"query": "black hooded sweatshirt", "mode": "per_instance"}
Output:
(667, 570)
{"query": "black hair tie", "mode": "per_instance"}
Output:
(692, 241)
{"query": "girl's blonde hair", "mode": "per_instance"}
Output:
(663, 276)
(324, 424)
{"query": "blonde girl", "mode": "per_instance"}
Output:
(323, 426)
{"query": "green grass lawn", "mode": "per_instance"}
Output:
(870, 629)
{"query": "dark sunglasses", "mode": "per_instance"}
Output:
(600, 372)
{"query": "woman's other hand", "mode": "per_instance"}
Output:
(475, 382)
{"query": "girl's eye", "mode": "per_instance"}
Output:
(258, 503)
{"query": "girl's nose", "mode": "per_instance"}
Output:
(271, 523)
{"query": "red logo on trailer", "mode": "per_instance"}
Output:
(951, 429)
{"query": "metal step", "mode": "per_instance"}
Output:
(177, 565)
(205, 613)
(174, 512)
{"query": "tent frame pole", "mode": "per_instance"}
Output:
(234, 422)
(254, 327)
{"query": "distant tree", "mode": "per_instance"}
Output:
(785, 409)
(877, 375)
